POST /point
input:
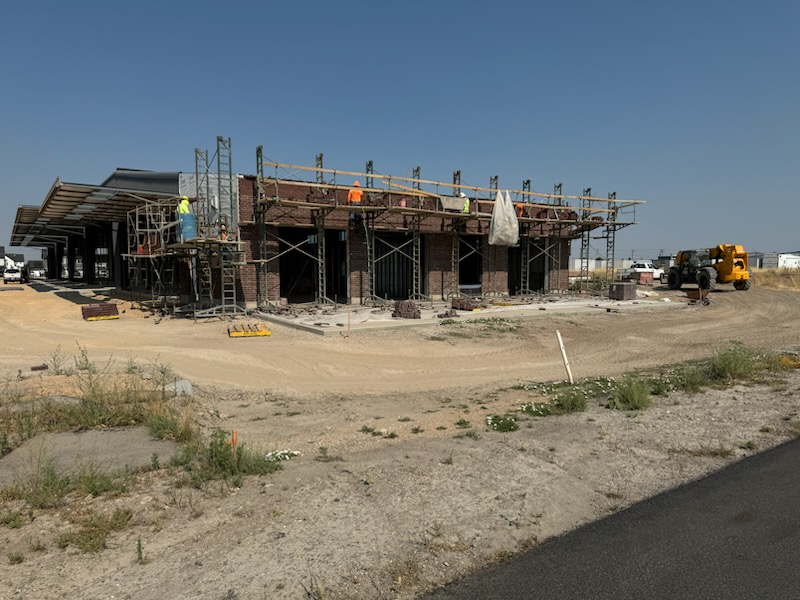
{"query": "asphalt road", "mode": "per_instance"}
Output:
(734, 534)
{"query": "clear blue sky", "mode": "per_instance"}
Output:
(693, 106)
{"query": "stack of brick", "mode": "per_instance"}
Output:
(464, 304)
(406, 309)
(99, 312)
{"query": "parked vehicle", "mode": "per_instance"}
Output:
(15, 275)
(642, 267)
(724, 263)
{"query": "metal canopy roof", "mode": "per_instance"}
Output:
(70, 207)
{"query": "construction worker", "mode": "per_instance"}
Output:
(183, 207)
(223, 233)
(354, 196)
(466, 202)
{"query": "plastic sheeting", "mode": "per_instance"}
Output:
(504, 227)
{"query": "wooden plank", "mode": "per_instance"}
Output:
(443, 184)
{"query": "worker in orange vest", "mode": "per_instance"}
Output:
(355, 195)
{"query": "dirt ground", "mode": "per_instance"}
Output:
(419, 504)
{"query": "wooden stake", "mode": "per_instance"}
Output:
(564, 357)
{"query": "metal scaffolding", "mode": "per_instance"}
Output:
(210, 254)
(548, 222)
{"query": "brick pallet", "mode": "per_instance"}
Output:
(406, 309)
(99, 312)
(464, 304)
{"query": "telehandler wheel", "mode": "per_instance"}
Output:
(742, 285)
(705, 281)
(674, 280)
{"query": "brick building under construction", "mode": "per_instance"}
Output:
(288, 235)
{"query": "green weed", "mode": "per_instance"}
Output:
(90, 480)
(737, 361)
(324, 456)
(94, 530)
(45, 488)
(219, 459)
(12, 519)
(631, 393)
(57, 362)
(502, 423)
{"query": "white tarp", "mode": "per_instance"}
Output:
(504, 227)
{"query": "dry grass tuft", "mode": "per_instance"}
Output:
(776, 279)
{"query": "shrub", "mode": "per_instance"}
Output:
(94, 530)
(220, 460)
(502, 423)
(572, 400)
(736, 361)
(690, 378)
(90, 480)
(46, 487)
(632, 393)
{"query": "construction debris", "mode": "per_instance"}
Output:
(248, 330)
(99, 312)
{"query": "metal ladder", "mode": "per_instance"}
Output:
(525, 266)
(416, 258)
(454, 265)
(204, 270)
(230, 258)
(369, 241)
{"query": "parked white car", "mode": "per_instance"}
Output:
(642, 267)
(15, 275)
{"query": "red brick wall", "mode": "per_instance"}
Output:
(495, 270)
(357, 255)
(559, 275)
(439, 278)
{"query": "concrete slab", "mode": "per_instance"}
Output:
(342, 319)
(107, 451)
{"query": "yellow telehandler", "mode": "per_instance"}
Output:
(724, 263)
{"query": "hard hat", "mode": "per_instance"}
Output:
(185, 198)
(356, 184)
(462, 195)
